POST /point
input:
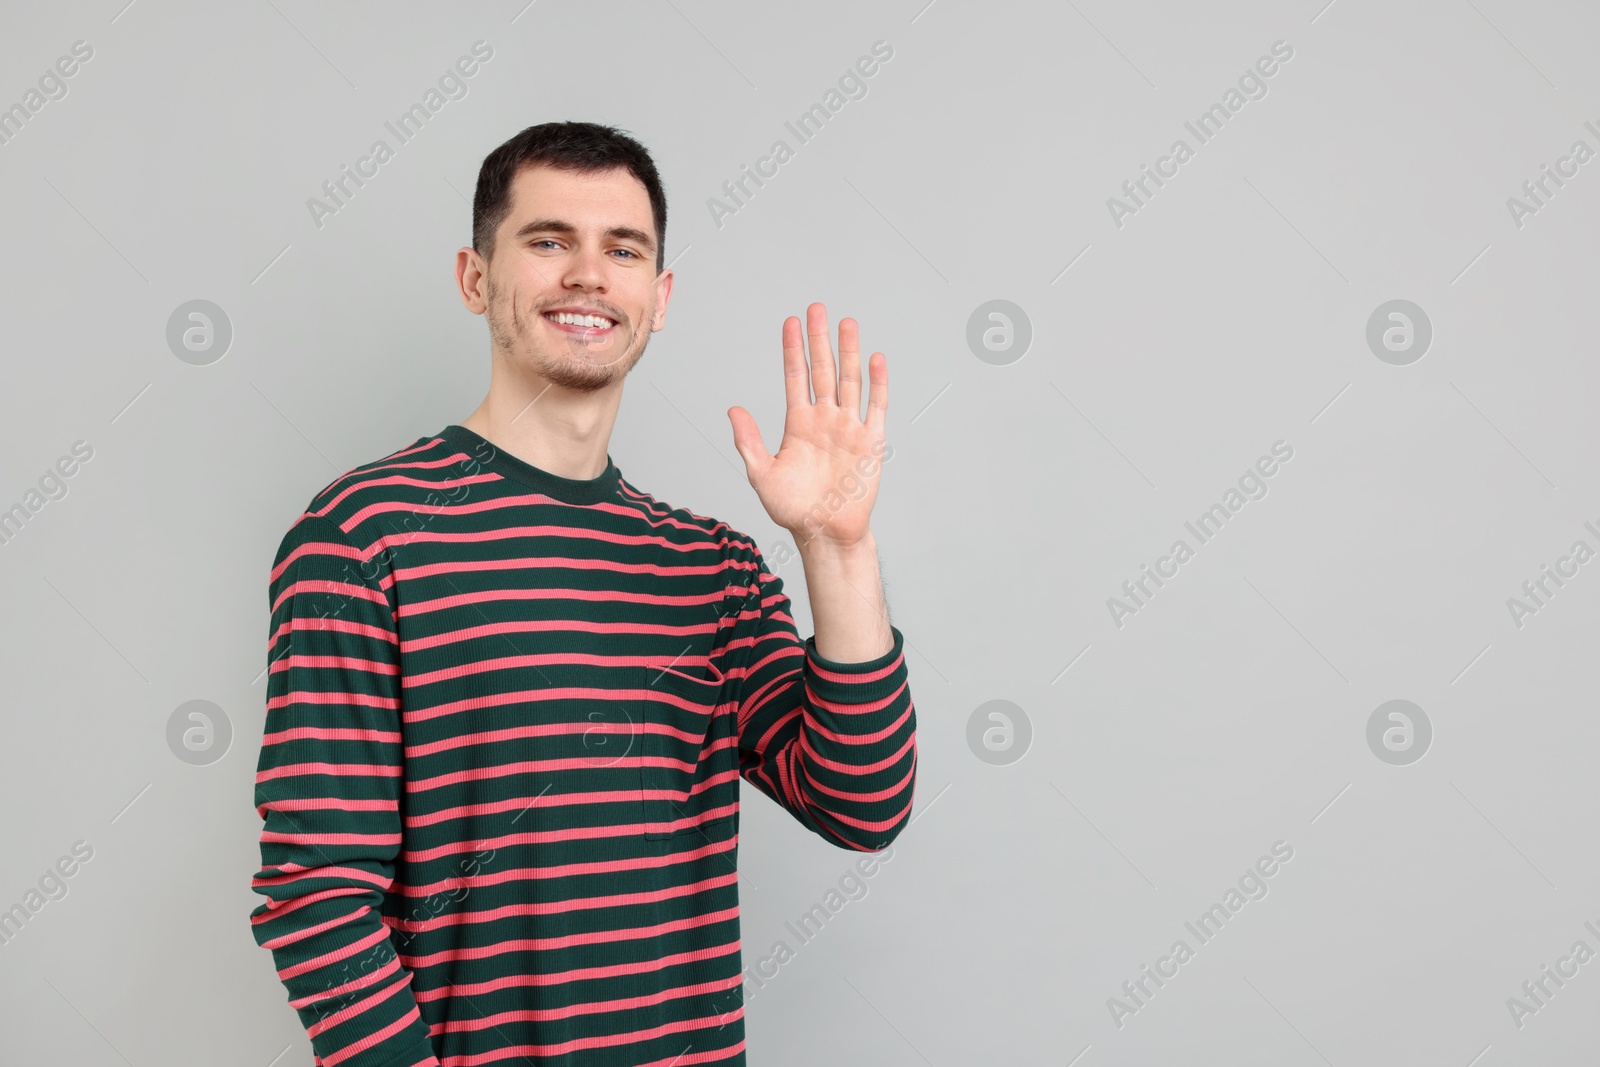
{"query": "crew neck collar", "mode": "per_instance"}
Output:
(567, 490)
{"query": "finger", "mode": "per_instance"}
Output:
(822, 379)
(850, 366)
(878, 398)
(796, 379)
(747, 439)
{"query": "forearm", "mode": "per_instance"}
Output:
(848, 610)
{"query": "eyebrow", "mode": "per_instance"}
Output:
(623, 233)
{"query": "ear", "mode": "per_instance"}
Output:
(471, 275)
(663, 285)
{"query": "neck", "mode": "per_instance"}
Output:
(563, 431)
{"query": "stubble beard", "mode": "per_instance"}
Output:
(570, 364)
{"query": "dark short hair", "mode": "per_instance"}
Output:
(577, 146)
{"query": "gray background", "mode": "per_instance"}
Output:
(1228, 314)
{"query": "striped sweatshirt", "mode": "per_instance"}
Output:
(507, 715)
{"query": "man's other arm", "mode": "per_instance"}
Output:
(833, 740)
(328, 787)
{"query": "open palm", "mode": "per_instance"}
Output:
(824, 479)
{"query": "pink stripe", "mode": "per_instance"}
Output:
(536, 837)
(495, 700)
(371, 978)
(509, 533)
(302, 934)
(855, 676)
(856, 770)
(789, 683)
(557, 729)
(867, 798)
(384, 507)
(326, 585)
(594, 937)
(378, 1037)
(725, 534)
(593, 596)
(333, 699)
(776, 656)
(601, 796)
(325, 804)
(359, 1007)
(384, 463)
(342, 952)
(588, 1008)
(502, 770)
(578, 563)
(563, 907)
(606, 1041)
(561, 659)
(874, 826)
(364, 770)
(817, 703)
(326, 624)
(330, 839)
(581, 974)
(293, 904)
(775, 687)
(349, 663)
(315, 548)
(781, 723)
(568, 870)
(671, 826)
(294, 872)
(528, 767)
(403, 479)
(528, 626)
(718, 1054)
(328, 733)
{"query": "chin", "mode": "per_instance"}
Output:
(571, 375)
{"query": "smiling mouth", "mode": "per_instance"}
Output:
(582, 325)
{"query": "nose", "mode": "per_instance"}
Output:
(585, 270)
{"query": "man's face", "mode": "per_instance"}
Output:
(575, 245)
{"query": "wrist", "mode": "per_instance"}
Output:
(822, 548)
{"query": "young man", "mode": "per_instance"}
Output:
(511, 696)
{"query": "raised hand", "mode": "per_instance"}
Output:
(823, 481)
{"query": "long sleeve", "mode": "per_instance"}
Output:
(834, 743)
(328, 787)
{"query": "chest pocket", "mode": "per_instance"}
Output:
(688, 749)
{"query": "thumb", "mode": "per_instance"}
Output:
(747, 439)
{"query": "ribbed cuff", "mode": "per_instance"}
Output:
(856, 683)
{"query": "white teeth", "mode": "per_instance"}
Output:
(567, 318)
